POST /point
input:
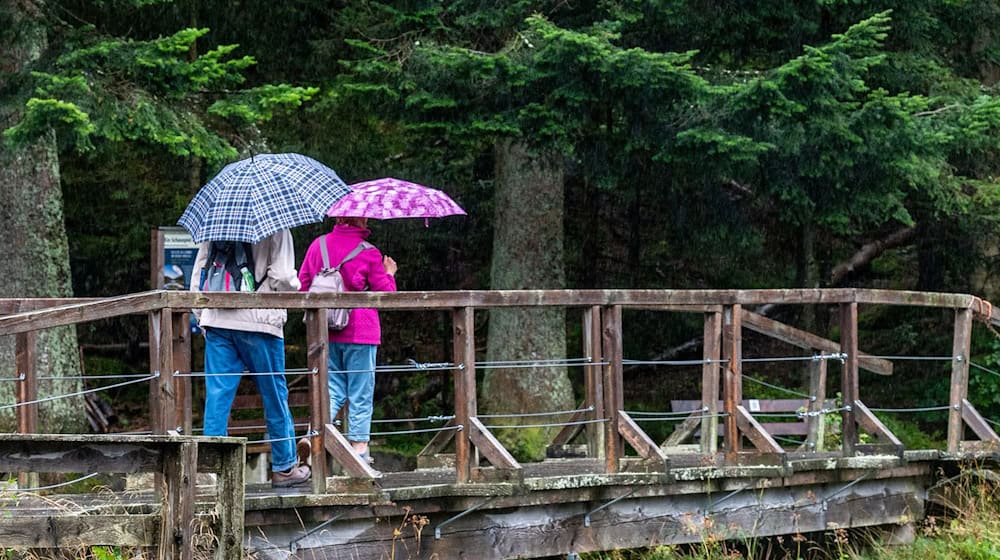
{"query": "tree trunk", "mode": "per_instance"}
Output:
(33, 236)
(527, 254)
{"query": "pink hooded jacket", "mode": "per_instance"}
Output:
(364, 270)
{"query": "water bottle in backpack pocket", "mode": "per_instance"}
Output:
(329, 279)
(229, 268)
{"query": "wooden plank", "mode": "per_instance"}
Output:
(640, 441)
(816, 422)
(156, 251)
(979, 426)
(296, 398)
(164, 384)
(757, 435)
(686, 429)
(488, 445)
(26, 392)
(805, 339)
(920, 299)
(710, 382)
(440, 441)
(593, 378)
(81, 457)
(849, 374)
(464, 355)
(761, 406)
(959, 376)
(182, 363)
(415, 300)
(875, 427)
(342, 452)
(572, 428)
(10, 306)
(47, 531)
(177, 512)
(732, 386)
(500, 530)
(317, 355)
(82, 312)
(611, 329)
(229, 507)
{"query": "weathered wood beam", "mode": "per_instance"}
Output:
(640, 441)
(975, 420)
(440, 441)
(464, 355)
(685, 430)
(488, 445)
(26, 392)
(758, 436)
(342, 452)
(875, 427)
(82, 312)
(593, 378)
(52, 531)
(177, 511)
(711, 370)
(614, 400)
(961, 350)
(807, 340)
(849, 374)
(317, 353)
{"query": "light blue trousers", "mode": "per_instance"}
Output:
(232, 351)
(352, 380)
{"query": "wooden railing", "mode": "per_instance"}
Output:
(724, 318)
(175, 460)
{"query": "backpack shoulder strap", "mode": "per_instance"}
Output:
(325, 252)
(357, 250)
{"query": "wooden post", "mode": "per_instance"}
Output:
(849, 376)
(230, 506)
(711, 353)
(464, 356)
(156, 259)
(162, 398)
(25, 345)
(594, 386)
(182, 363)
(817, 390)
(179, 473)
(732, 352)
(959, 378)
(318, 351)
(614, 399)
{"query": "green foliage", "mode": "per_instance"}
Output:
(149, 92)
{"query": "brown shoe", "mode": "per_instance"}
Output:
(304, 449)
(294, 476)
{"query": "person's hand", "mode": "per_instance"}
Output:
(390, 265)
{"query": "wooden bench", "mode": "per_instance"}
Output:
(791, 426)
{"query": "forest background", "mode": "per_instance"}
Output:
(674, 144)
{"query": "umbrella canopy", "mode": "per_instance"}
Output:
(254, 198)
(394, 198)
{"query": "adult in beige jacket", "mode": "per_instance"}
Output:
(238, 340)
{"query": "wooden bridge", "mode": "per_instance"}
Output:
(470, 498)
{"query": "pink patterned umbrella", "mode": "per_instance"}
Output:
(387, 198)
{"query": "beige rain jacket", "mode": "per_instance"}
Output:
(273, 256)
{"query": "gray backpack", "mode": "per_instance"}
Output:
(329, 280)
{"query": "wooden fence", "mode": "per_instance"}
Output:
(724, 318)
(176, 460)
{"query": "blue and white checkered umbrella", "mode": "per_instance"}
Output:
(254, 198)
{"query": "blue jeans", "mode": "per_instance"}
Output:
(352, 379)
(232, 351)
